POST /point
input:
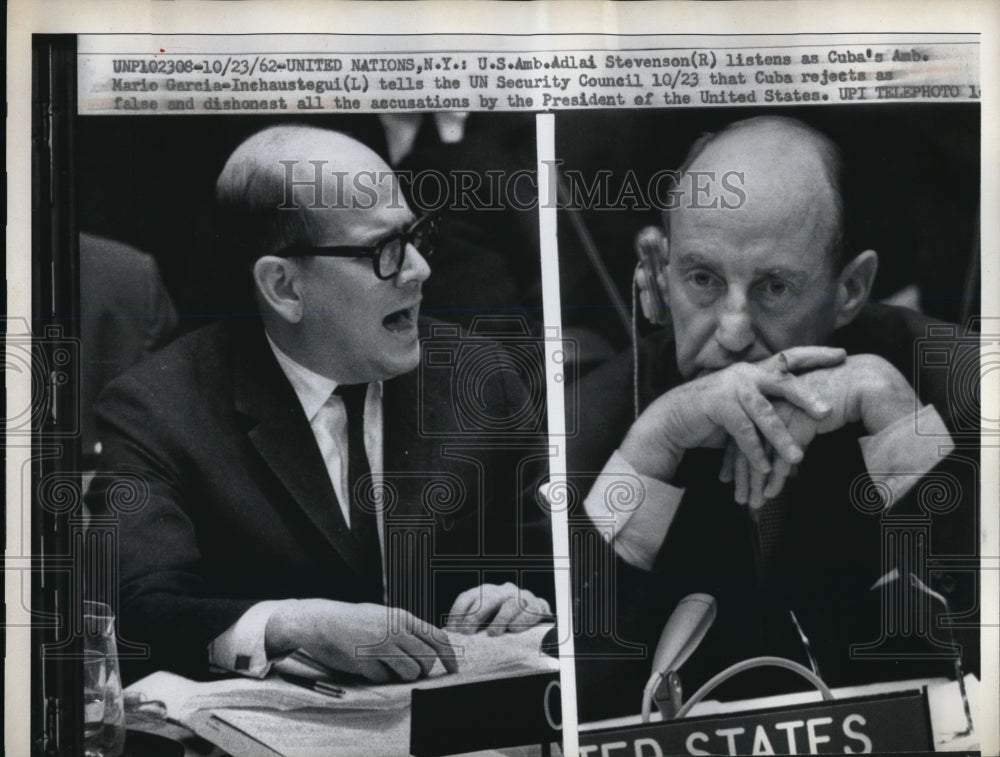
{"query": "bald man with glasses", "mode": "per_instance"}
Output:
(302, 487)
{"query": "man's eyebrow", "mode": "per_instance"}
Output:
(408, 223)
(694, 257)
(782, 272)
(397, 229)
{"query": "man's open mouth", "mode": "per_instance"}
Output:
(401, 321)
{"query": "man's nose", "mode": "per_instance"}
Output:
(734, 332)
(415, 267)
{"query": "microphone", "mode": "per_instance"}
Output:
(686, 627)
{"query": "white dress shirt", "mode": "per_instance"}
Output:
(240, 647)
(635, 511)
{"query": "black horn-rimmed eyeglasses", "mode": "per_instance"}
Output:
(387, 254)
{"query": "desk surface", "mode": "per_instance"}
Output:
(194, 746)
(388, 731)
(246, 714)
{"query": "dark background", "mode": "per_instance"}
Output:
(914, 176)
(149, 182)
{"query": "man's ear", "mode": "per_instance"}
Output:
(277, 281)
(854, 284)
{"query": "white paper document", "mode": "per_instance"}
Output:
(480, 656)
(312, 733)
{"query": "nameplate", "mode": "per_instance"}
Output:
(469, 717)
(888, 723)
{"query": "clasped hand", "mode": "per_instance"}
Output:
(766, 414)
(865, 389)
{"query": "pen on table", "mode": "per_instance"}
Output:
(322, 687)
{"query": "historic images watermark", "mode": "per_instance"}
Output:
(312, 185)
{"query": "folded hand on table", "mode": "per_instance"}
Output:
(380, 643)
(497, 609)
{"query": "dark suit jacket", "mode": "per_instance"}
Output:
(234, 504)
(838, 541)
(125, 314)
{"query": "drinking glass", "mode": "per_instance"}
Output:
(103, 706)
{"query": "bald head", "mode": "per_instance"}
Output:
(789, 174)
(280, 184)
(748, 279)
(312, 215)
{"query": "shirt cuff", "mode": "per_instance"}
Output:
(898, 456)
(241, 647)
(633, 511)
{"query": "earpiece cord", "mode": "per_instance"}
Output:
(635, 349)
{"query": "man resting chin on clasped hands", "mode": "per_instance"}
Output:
(774, 383)
(754, 292)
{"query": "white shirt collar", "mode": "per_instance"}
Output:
(312, 389)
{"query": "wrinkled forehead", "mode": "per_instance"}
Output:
(361, 223)
(758, 182)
